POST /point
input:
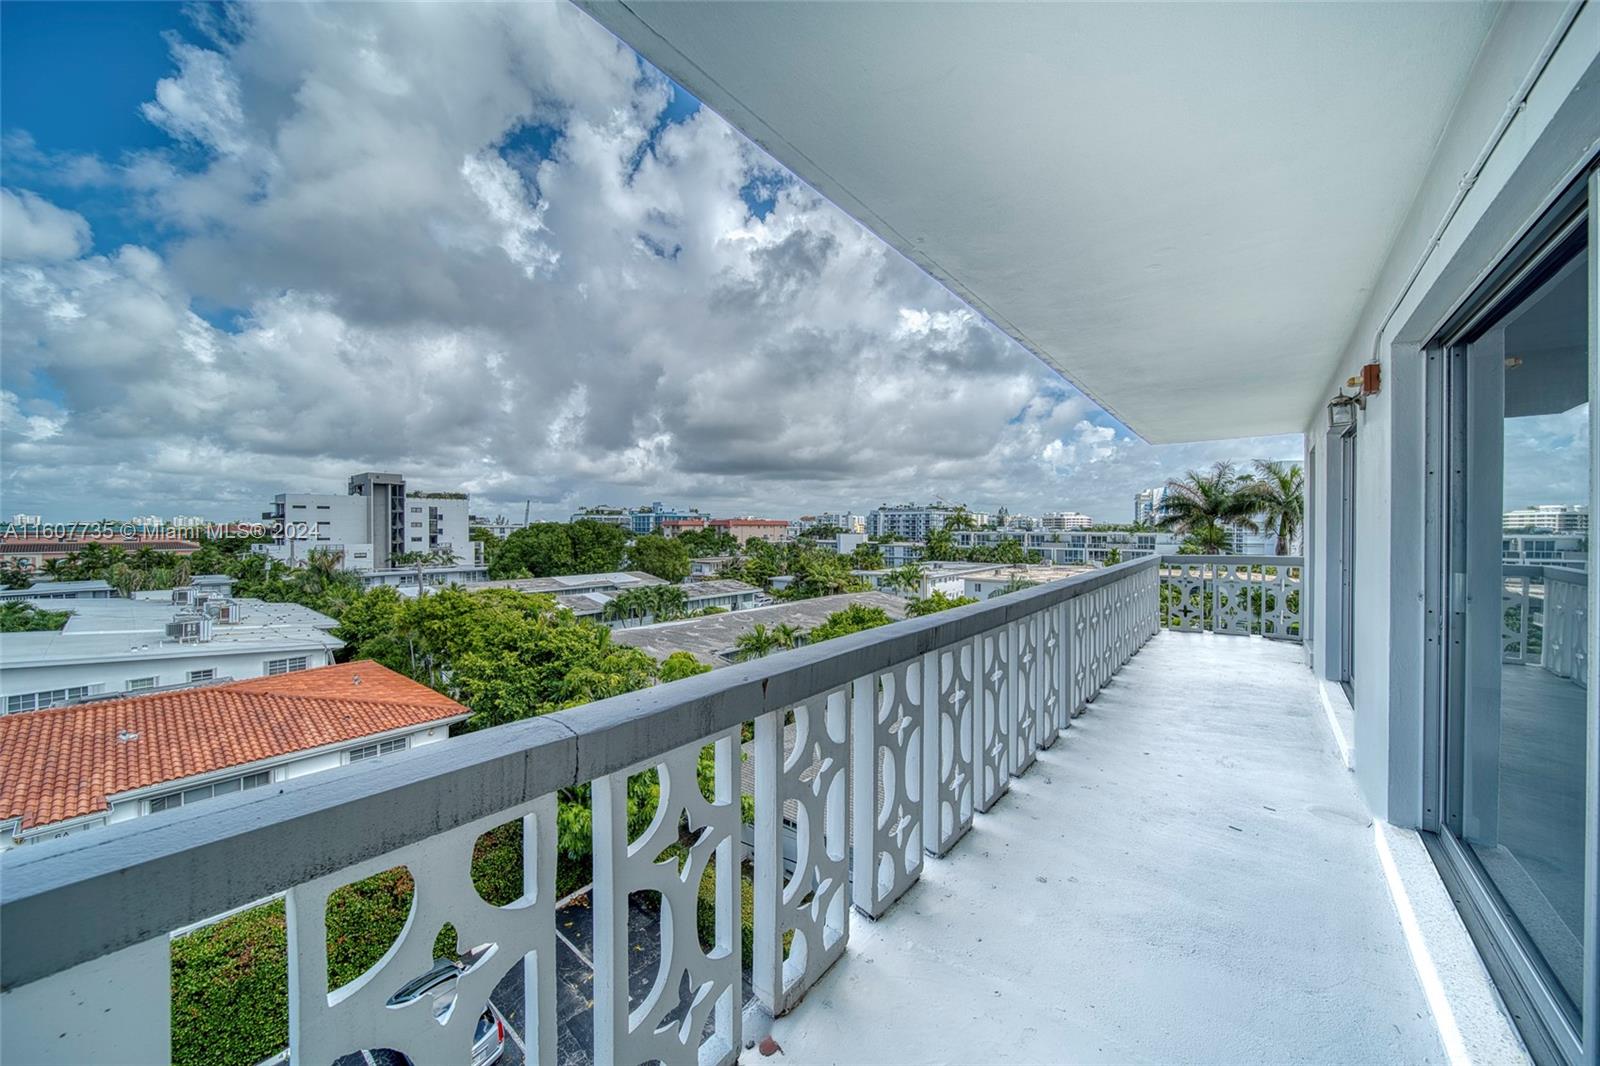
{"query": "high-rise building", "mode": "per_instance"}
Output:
(914, 522)
(373, 524)
(1147, 505)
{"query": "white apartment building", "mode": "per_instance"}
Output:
(372, 524)
(848, 521)
(1056, 521)
(1548, 518)
(912, 521)
(1532, 549)
(1077, 547)
(150, 642)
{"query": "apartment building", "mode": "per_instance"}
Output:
(1527, 549)
(374, 523)
(848, 521)
(1056, 521)
(1147, 505)
(193, 635)
(744, 530)
(1548, 518)
(126, 758)
(910, 521)
(29, 549)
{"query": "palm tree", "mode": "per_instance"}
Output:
(960, 518)
(906, 579)
(1279, 499)
(940, 546)
(786, 635)
(754, 644)
(1201, 504)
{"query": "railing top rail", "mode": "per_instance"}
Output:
(1237, 560)
(68, 901)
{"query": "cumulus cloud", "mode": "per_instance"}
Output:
(465, 242)
(32, 228)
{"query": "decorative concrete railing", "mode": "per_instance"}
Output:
(1260, 595)
(898, 735)
(1544, 619)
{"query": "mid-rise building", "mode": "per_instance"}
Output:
(911, 521)
(31, 549)
(848, 521)
(113, 760)
(1548, 518)
(1060, 520)
(744, 530)
(197, 634)
(1532, 549)
(372, 525)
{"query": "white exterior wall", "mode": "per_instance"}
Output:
(338, 519)
(1544, 147)
(166, 667)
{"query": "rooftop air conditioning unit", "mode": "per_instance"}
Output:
(225, 611)
(183, 595)
(190, 628)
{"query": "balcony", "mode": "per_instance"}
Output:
(1036, 827)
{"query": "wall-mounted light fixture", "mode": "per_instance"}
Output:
(1342, 411)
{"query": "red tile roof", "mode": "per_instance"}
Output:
(64, 762)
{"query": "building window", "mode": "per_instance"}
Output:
(202, 675)
(382, 747)
(208, 791)
(55, 697)
(142, 684)
(286, 666)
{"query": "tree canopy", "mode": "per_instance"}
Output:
(664, 557)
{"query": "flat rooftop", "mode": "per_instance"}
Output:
(112, 629)
(1187, 875)
(574, 583)
(707, 638)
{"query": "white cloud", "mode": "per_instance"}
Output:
(32, 228)
(455, 240)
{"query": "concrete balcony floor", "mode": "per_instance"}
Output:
(1187, 875)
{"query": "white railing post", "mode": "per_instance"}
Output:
(1024, 692)
(328, 1023)
(670, 858)
(117, 1008)
(993, 754)
(887, 809)
(950, 702)
(1053, 711)
(802, 776)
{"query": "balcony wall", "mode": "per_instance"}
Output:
(897, 742)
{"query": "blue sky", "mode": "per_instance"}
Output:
(257, 249)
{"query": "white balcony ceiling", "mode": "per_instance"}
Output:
(1182, 207)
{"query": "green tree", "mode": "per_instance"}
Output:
(867, 556)
(597, 547)
(664, 557)
(852, 619)
(1113, 556)
(543, 549)
(1278, 496)
(820, 573)
(960, 518)
(13, 576)
(935, 602)
(1203, 503)
(19, 617)
(708, 542)
(759, 641)
(940, 546)
(681, 664)
(905, 579)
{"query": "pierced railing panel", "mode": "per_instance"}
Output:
(387, 1006)
(802, 773)
(691, 1009)
(1566, 624)
(1237, 595)
(1514, 618)
(1026, 673)
(1054, 705)
(994, 717)
(950, 678)
(886, 838)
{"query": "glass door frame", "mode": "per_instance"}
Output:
(1529, 988)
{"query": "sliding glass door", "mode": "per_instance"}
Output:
(1517, 741)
